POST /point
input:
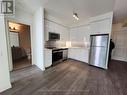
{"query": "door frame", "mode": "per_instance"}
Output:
(10, 64)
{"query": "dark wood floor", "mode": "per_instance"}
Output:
(22, 63)
(71, 78)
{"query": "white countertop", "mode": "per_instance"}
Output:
(79, 47)
(70, 48)
(46, 49)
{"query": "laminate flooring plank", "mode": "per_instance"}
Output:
(70, 78)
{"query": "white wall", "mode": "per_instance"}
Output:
(119, 36)
(14, 39)
(21, 16)
(38, 38)
(4, 68)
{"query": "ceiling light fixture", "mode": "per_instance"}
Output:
(75, 15)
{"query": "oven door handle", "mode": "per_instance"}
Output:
(57, 51)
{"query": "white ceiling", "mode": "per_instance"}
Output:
(29, 5)
(63, 9)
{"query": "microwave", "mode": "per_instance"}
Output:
(54, 36)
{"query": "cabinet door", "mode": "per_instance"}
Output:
(100, 27)
(80, 34)
(94, 27)
(79, 54)
(48, 58)
(48, 27)
(62, 31)
(65, 34)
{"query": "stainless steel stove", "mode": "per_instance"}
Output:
(58, 54)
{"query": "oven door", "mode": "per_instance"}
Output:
(57, 56)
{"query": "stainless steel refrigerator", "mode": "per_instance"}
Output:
(99, 50)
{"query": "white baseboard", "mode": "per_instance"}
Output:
(120, 58)
(8, 86)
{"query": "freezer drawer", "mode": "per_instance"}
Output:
(99, 40)
(98, 57)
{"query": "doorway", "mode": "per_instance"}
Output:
(20, 42)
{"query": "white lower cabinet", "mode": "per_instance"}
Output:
(80, 54)
(48, 58)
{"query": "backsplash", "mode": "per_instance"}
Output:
(63, 44)
(77, 44)
(55, 44)
(80, 44)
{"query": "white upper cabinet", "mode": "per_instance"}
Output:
(80, 34)
(100, 27)
(50, 26)
(101, 24)
(56, 28)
